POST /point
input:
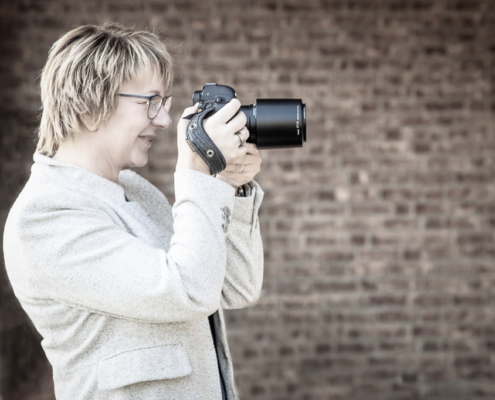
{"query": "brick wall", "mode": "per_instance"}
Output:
(378, 234)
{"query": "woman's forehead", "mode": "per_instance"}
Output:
(148, 81)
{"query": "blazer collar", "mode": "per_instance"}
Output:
(72, 175)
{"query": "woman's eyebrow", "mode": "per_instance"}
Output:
(159, 92)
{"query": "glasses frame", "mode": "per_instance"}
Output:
(149, 98)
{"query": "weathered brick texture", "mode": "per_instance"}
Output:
(379, 233)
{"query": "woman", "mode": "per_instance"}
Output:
(126, 290)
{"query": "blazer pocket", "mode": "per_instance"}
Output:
(143, 364)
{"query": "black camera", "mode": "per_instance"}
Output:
(272, 123)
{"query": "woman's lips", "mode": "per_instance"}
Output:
(147, 139)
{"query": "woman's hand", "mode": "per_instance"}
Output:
(187, 158)
(222, 133)
(245, 169)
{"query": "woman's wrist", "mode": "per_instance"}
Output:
(227, 181)
(240, 190)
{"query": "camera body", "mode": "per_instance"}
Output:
(213, 94)
(272, 123)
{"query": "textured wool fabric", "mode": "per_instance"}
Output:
(121, 290)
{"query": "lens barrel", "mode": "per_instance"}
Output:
(272, 123)
(276, 123)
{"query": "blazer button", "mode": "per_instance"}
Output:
(226, 216)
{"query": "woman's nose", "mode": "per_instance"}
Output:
(162, 119)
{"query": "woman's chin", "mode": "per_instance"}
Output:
(138, 162)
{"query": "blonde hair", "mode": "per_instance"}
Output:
(84, 71)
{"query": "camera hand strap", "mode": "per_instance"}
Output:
(199, 141)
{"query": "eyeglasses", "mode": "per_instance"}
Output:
(154, 103)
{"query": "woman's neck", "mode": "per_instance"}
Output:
(88, 155)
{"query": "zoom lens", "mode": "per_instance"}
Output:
(276, 123)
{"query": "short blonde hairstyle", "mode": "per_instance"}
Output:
(84, 71)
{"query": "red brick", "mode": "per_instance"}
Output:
(336, 256)
(387, 300)
(335, 286)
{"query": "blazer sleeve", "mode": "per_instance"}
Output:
(244, 273)
(79, 256)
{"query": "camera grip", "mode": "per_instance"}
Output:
(200, 142)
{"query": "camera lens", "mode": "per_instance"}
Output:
(276, 123)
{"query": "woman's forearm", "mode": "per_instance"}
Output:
(244, 274)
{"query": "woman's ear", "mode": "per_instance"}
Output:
(88, 123)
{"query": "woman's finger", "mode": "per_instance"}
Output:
(237, 123)
(225, 113)
(247, 159)
(190, 110)
(235, 168)
(230, 168)
(242, 136)
(251, 159)
(239, 169)
(245, 134)
(251, 149)
(240, 178)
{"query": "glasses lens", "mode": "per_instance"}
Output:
(154, 106)
(168, 103)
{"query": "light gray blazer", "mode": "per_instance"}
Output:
(121, 290)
